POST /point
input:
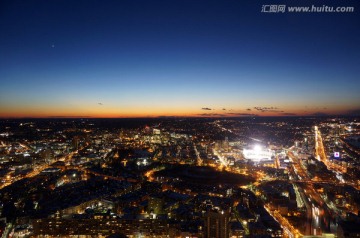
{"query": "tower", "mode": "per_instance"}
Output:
(75, 143)
(216, 224)
(226, 144)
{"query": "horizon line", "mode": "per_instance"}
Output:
(169, 117)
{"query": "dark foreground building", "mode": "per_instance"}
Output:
(103, 227)
(216, 224)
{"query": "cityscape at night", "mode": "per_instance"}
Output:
(179, 118)
(185, 177)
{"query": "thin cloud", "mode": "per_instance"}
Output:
(268, 109)
(69, 116)
(288, 114)
(212, 115)
(242, 114)
(206, 109)
(100, 104)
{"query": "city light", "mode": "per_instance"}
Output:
(179, 119)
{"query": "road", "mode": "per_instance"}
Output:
(321, 155)
(198, 159)
(37, 170)
(318, 213)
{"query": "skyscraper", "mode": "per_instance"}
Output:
(216, 224)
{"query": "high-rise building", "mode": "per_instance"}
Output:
(216, 224)
(225, 145)
(75, 143)
(155, 206)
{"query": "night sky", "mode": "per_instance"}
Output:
(92, 58)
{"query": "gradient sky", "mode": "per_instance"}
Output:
(102, 58)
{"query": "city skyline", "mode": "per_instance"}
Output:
(178, 58)
(188, 177)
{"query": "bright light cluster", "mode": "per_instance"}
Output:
(258, 153)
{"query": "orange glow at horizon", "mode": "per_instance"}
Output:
(133, 112)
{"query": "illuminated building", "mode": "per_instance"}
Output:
(155, 206)
(156, 131)
(101, 226)
(216, 224)
(258, 154)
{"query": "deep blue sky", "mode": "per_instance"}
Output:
(177, 57)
